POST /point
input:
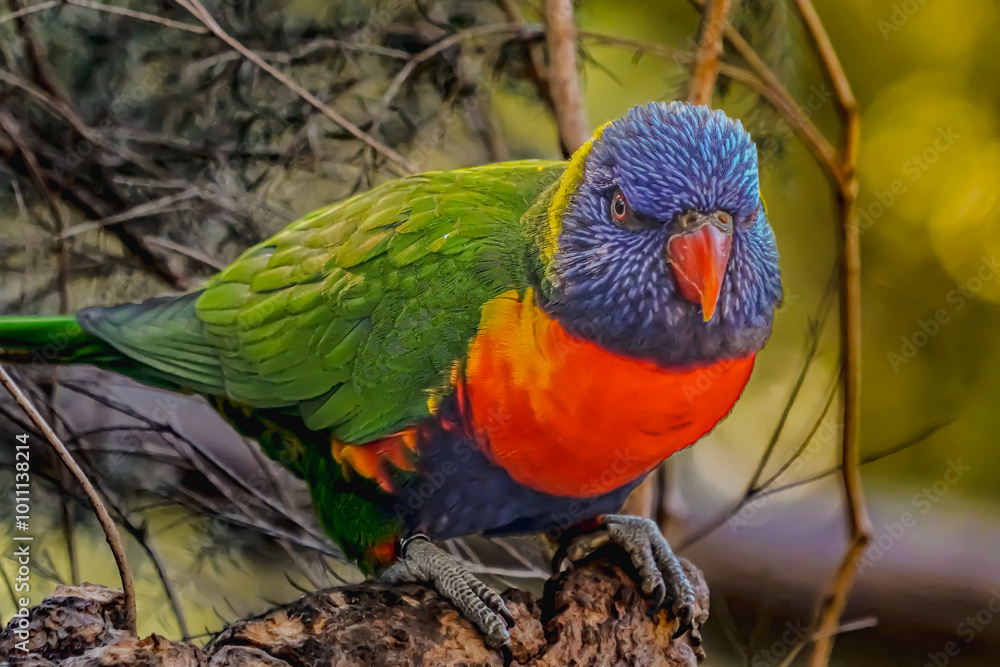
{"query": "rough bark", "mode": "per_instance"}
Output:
(589, 615)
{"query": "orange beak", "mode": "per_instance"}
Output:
(699, 258)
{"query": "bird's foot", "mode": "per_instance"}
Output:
(422, 561)
(660, 572)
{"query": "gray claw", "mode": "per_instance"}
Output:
(422, 561)
(659, 569)
(685, 621)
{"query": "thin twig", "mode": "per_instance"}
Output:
(439, 46)
(860, 624)
(181, 249)
(64, 109)
(141, 534)
(212, 471)
(150, 208)
(761, 80)
(563, 78)
(138, 531)
(142, 16)
(706, 62)
(754, 488)
(33, 9)
(110, 529)
(817, 326)
(13, 130)
(34, 51)
(534, 62)
(771, 89)
(871, 458)
(198, 10)
(291, 55)
(658, 50)
(859, 523)
(69, 531)
(9, 586)
(783, 468)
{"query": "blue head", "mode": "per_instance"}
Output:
(663, 249)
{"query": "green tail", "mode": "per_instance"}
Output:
(158, 342)
(53, 340)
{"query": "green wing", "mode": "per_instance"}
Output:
(353, 316)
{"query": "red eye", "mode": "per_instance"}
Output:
(619, 207)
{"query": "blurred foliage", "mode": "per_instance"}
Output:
(212, 152)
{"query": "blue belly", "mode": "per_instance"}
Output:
(459, 491)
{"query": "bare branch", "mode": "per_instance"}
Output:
(110, 529)
(202, 14)
(871, 458)
(181, 249)
(754, 488)
(563, 79)
(706, 63)
(859, 523)
(142, 16)
(534, 62)
(33, 9)
(771, 89)
(439, 46)
(147, 209)
(81, 621)
(292, 54)
(12, 129)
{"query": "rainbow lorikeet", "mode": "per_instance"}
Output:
(503, 349)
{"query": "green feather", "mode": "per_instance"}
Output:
(339, 327)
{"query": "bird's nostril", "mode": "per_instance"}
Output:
(698, 259)
(724, 221)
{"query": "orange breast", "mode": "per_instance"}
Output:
(567, 417)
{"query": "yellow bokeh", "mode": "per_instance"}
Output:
(914, 134)
(925, 146)
(917, 27)
(930, 163)
(964, 223)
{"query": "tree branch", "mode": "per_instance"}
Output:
(376, 625)
(198, 10)
(443, 44)
(706, 63)
(563, 79)
(770, 87)
(110, 529)
(534, 63)
(859, 523)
